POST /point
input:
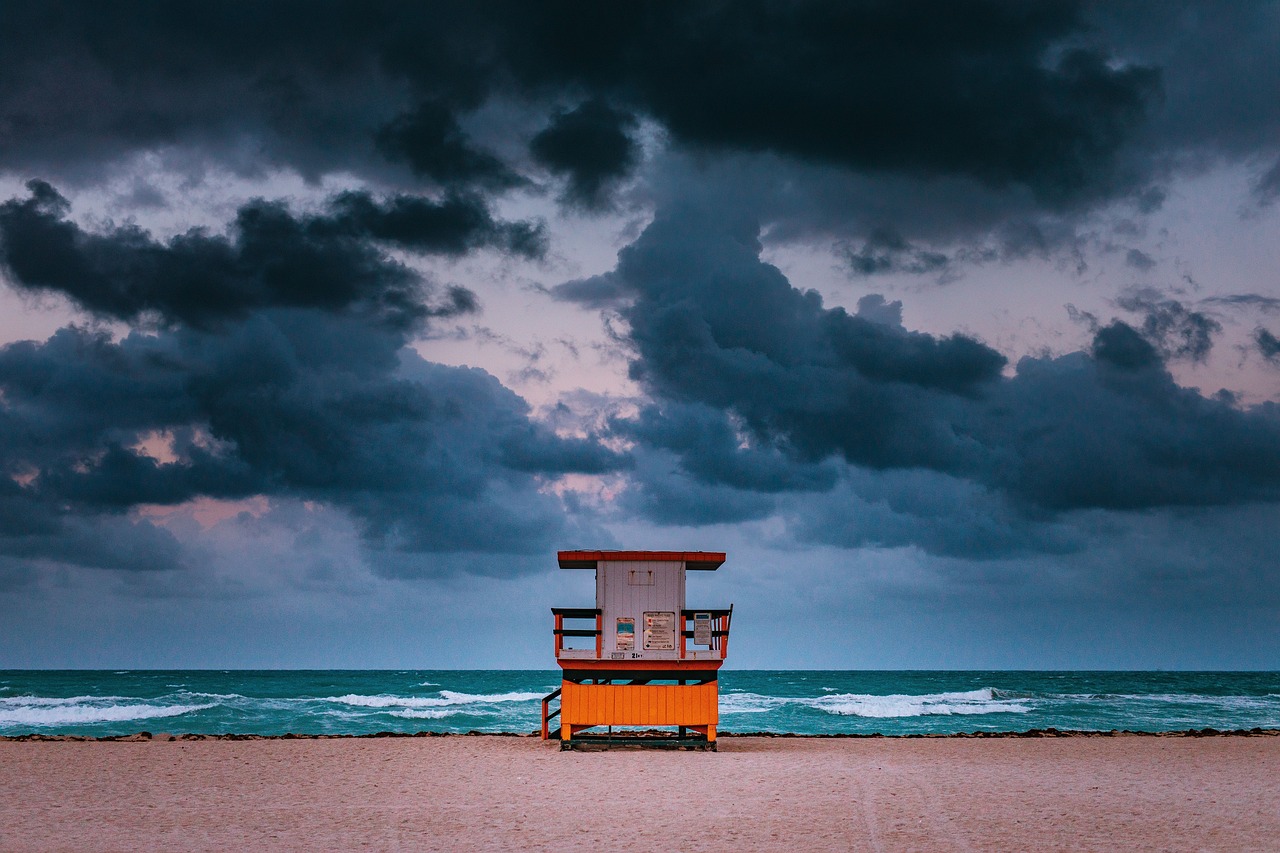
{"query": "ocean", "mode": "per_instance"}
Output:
(276, 702)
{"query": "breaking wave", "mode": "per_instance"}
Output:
(446, 698)
(983, 701)
(426, 714)
(82, 710)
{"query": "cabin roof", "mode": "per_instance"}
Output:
(693, 560)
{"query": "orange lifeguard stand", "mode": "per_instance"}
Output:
(653, 661)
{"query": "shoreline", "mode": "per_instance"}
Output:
(1028, 733)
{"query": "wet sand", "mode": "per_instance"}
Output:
(793, 794)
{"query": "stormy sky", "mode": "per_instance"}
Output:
(324, 325)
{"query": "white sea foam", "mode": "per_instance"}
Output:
(385, 701)
(425, 714)
(344, 715)
(1228, 702)
(467, 698)
(749, 703)
(84, 714)
(54, 701)
(906, 705)
(446, 698)
(981, 701)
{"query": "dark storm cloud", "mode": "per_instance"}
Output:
(712, 451)
(272, 258)
(589, 145)
(1176, 330)
(1112, 430)
(992, 91)
(82, 86)
(1002, 93)
(1255, 301)
(280, 347)
(713, 324)
(1268, 344)
(33, 532)
(291, 402)
(663, 492)
(1139, 260)
(715, 330)
(1219, 69)
(885, 251)
(278, 368)
(455, 225)
(937, 513)
(599, 291)
(955, 89)
(967, 118)
(430, 140)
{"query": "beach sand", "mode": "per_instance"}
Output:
(492, 793)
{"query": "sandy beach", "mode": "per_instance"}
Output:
(489, 793)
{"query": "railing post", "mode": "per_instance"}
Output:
(558, 635)
(546, 711)
(599, 634)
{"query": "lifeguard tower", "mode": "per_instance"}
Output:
(639, 657)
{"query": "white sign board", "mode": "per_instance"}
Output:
(702, 629)
(625, 638)
(659, 630)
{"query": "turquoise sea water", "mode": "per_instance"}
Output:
(821, 702)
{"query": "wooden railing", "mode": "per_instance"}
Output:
(720, 621)
(563, 613)
(547, 713)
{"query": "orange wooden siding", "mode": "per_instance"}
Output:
(639, 704)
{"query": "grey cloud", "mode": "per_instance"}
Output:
(662, 491)
(1268, 344)
(712, 451)
(291, 402)
(1139, 260)
(1176, 330)
(1255, 301)
(1112, 430)
(885, 251)
(272, 258)
(1204, 50)
(36, 526)
(714, 328)
(599, 291)
(712, 324)
(591, 146)
(995, 113)
(1003, 95)
(937, 513)
(1151, 199)
(431, 141)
